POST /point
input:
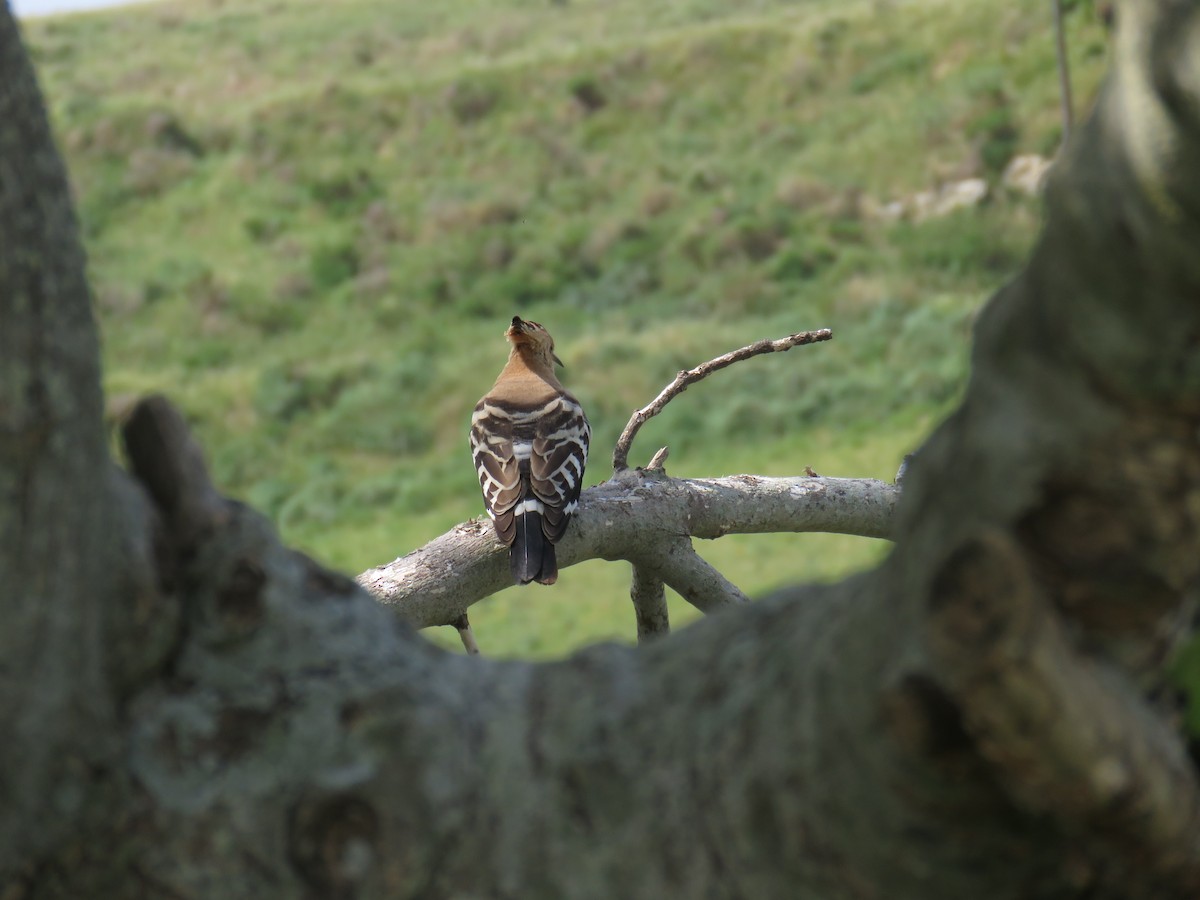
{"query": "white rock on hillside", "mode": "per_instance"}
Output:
(948, 198)
(1026, 173)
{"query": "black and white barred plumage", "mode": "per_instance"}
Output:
(529, 440)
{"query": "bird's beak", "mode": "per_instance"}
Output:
(557, 360)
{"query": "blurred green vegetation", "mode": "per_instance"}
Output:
(308, 223)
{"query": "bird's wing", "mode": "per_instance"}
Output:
(498, 470)
(556, 464)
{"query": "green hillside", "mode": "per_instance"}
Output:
(309, 222)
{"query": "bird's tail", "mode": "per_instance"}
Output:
(531, 557)
(549, 572)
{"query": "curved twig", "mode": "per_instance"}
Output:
(691, 376)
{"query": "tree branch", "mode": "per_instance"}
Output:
(632, 516)
(691, 376)
(1064, 71)
(679, 565)
(467, 563)
(649, 604)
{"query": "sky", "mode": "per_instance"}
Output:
(43, 7)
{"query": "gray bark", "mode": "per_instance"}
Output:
(649, 597)
(969, 720)
(641, 516)
(54, 702)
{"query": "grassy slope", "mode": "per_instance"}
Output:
(309, 221)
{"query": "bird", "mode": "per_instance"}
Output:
(529, 442)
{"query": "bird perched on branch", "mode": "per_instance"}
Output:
(529, 440)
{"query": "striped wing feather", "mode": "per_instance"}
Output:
(556, 469)
(500, 479)
(530, 458)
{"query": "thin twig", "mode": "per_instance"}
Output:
(691, 376)
(1064, 71)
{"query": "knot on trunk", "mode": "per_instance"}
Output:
(334, 845)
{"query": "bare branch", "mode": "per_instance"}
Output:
(691, 376)
(649, 598)
(630, 517)
(680, 566)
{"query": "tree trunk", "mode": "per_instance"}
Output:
(56, 507)
(969, 720)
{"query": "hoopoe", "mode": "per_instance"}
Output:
(529, 440)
